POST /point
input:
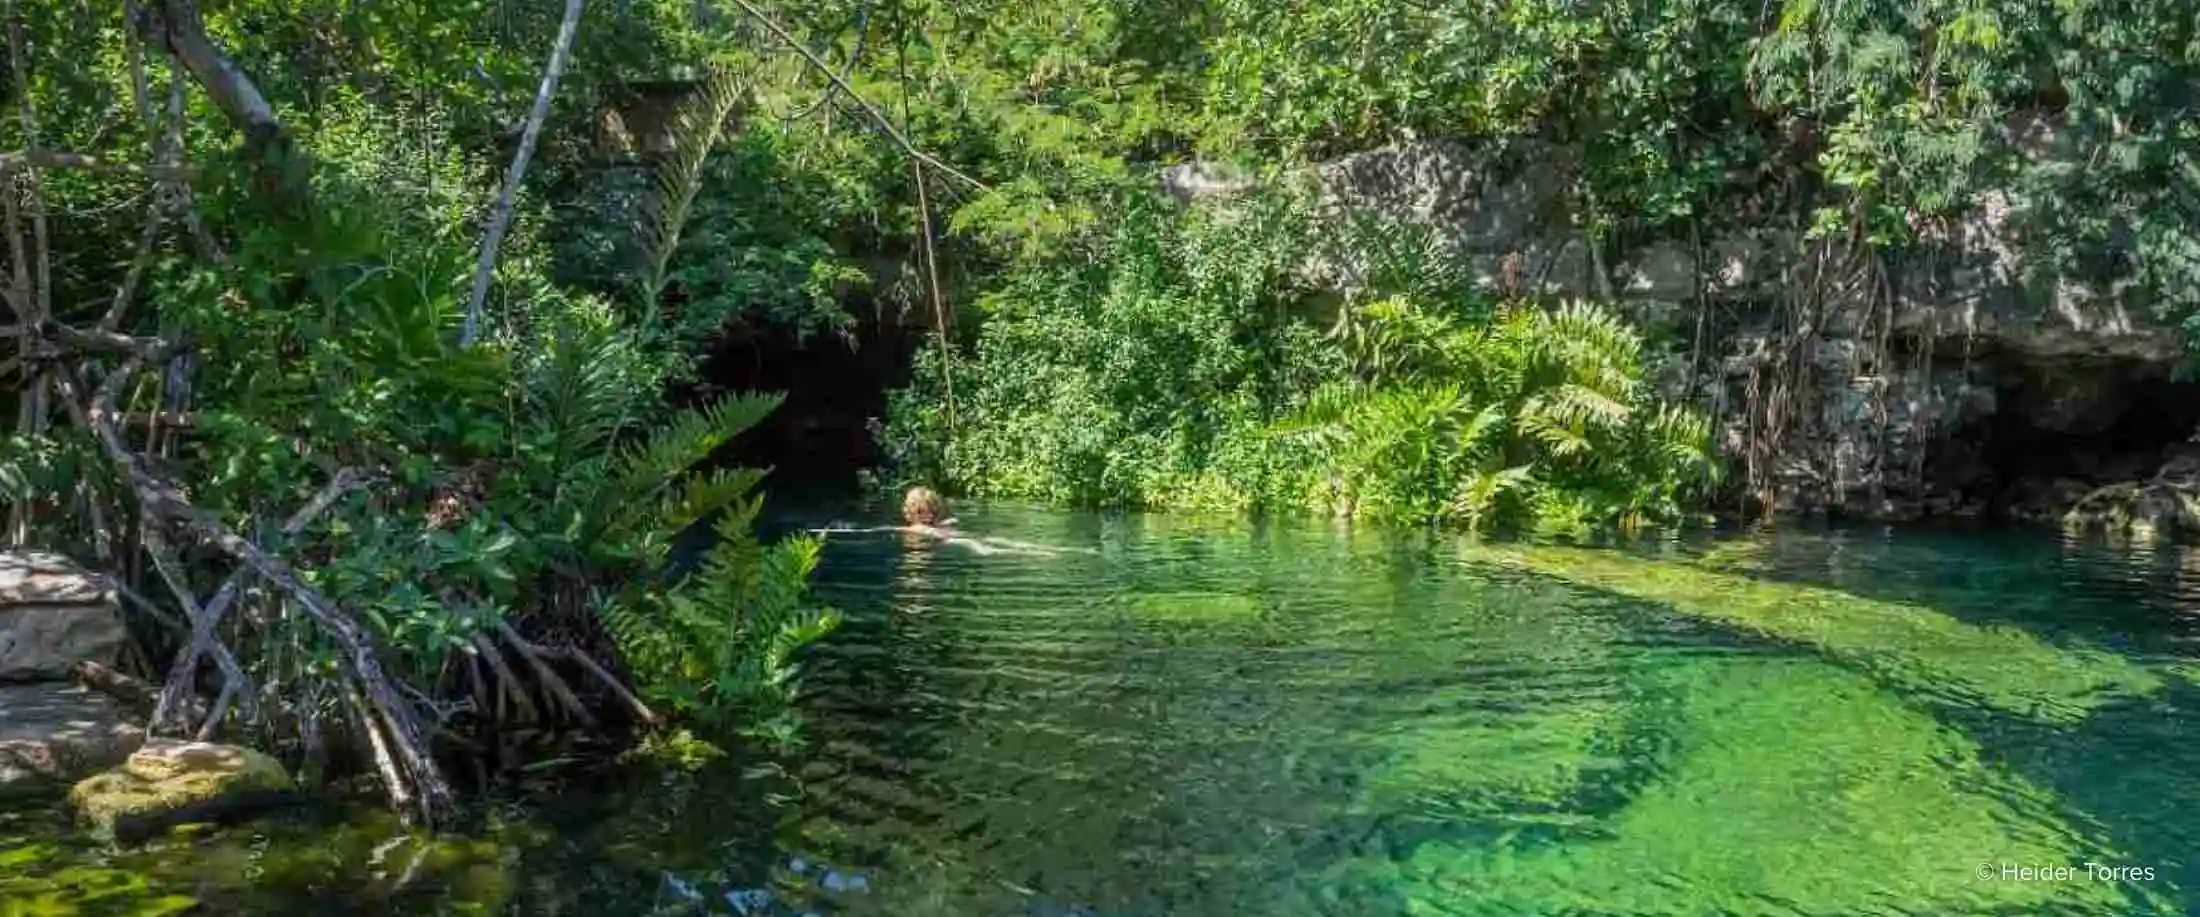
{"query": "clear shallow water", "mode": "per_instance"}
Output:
(1185, 718)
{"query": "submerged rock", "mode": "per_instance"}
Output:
(2142, 512)
(170, 782)
(56, 732)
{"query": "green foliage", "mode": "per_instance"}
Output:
(1116, 351)
(679, 176)
(1183, 367)
(720, 643)
(1540, 416)
(1110, 380)
(519, 485)
(1875, 121)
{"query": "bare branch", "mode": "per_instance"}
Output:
(175, 25)
(27, 109)
(170, 569)
(163, 502)
(145, 349)
(15, 160)
(134, 50)
(885, 125)
(550, 680)
(501, 218)
(205, 624)
(385, 763)
(213, 721)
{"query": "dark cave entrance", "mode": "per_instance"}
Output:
(835, 386)
(2062, 428)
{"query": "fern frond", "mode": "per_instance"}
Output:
(696, 129)
(687, 438)
(700, 495)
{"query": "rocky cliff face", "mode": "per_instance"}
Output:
(1953, 378)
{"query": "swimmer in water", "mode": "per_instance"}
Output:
(925, 513)
(923, 509)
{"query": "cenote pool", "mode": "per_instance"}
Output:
(1186, 718)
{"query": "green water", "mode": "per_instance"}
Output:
(1193, 718)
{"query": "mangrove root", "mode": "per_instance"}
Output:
(415, 784)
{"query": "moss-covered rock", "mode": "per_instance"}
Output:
(168, 782)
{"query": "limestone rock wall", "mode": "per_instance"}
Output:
(1888, 372)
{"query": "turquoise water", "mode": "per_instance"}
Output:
(1185, 718)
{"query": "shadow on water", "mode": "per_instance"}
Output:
(2140, 600)
(2132, 769)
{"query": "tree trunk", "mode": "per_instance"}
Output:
(500, 218)
(176, 26)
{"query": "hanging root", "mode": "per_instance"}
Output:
(551, 682)
(204, 624)
(634, 705)
(508, 692)
(221, 709)
(385, 763)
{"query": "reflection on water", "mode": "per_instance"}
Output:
(1189, 719)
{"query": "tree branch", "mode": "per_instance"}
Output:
(176, 26)
(892, 132)
(79, 162)
(162, 501)
(501, 218)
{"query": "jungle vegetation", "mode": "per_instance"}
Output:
(360, 338)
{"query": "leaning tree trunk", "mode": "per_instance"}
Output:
(500, 219)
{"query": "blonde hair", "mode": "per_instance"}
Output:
(923, 506)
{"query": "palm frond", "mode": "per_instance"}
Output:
(723, 641)
(1550, 426)
(581, 388)
(1474, 501)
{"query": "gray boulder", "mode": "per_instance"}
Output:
(53, 615)
(57, 732)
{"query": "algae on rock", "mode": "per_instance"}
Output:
(169, 779)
